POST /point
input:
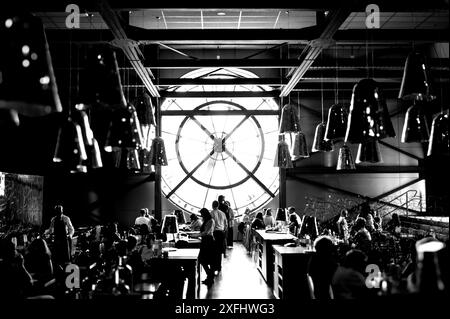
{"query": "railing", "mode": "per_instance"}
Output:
(411, 195)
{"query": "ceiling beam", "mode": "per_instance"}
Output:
(222, 63)
(360, 170)
(220, 112)
(221, 94)
(249, 36)
(165, 82)
(129, 47)
(312, 50)
(387, 5)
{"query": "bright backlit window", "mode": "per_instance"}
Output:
(214, 146)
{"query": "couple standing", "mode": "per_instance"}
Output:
(219, 226)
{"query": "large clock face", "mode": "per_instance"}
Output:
(218, 146)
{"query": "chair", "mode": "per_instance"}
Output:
(310, 286)
(185, 287)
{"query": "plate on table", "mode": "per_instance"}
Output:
(169, 249)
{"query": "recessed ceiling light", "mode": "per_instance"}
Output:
(221, 13)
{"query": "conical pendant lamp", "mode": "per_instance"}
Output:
(126, 159)
(100, 83)
(27, 80)
(145, 110)
(124, 130)
(133, 160)
(336, 123)
(369, 117)
(146, 116)
(290, 121)
(416, 79)
(70, 149)
(158, 152)
(345, 159)
(300, 147)
(319, 143)
(95, 157)
(369, 152)
(82, 119)
(145, 161)
(415, 128)
(282, 156)
(439, 138)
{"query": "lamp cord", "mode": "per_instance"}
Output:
(70, 74)
(321, 87)
(336, 95)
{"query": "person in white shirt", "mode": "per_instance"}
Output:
(269, 221)
(142, 220)
(220, 224)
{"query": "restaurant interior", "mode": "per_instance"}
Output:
(323, 124)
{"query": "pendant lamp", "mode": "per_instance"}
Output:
(100, 83)
(27, 80)
(415, 128)
(369, 152)
(70, 149)
(145, 160)
(158, 152)
(126, 159)
(416, 79)
(319, 143)
(133, 163)
(95, 158)
(282, 156)
(439, 139)
(290, 121)
(146, 116)
(336, 123)
(300, 147)
(345, 159)
(369, 117)
(124, 130)
(79, 115)
(145, 109)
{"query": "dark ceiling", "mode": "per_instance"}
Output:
(294, 48)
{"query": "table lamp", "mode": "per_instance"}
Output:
(281, 217)
(309, 227)
(170, 225)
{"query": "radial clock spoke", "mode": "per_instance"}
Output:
(210, 178)
(211, 135)
(250, 173)
(237, 126)
(190, 174)
(229, 180)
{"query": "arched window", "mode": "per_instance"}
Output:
(220, 146)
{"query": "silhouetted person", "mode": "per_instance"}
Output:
(349, 279)
(62, 230)
(15, 281)
(322, 267)
(258, 222)
(394, 225)
(196, 223)
(208, 249)
(38, 261)
(342, 225)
